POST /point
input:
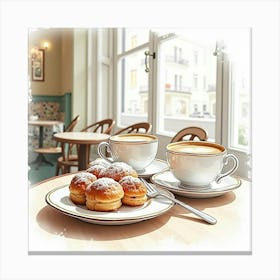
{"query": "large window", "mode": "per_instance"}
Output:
(240, 93)
(186, 98)
(133, 80)
(197, 77)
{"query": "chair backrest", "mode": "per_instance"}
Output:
(73, 123)
(103, 126)
(192, 132)
(142, 127)
(67, 148)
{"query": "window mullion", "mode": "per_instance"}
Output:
(225, 102)
(131, 51)
(153, 85)
(221, 92)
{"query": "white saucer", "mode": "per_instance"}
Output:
(156, 166)
(167, 181)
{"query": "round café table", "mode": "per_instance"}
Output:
(42, 124)
(84, 140)
(174, 232)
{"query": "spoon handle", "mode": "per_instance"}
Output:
(211, 220)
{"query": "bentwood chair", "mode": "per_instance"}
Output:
(141, 127)
(104, 126)
(58, 149)
(192, 132)
(62, 160)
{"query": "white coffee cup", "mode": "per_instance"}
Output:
(198, 163)
(136, 149)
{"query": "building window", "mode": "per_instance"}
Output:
(175, 82)
(133, 78)
(133, 41)
(204, 83)
(195, 81)
(175, 53)
(195, 57)
(180, 83)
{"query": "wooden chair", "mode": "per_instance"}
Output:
(193, 132)
(62, 159)
(104, 126)
(57, 149)
(68, 160)
(141, 127)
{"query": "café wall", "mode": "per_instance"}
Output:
(76, 62)
(58, 60)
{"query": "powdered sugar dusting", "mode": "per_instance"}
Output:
(83, 177)
(96, 169)
(103, 183)
(130, 180)
(118, 167)
(100, 161)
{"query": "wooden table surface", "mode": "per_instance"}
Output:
(84, 140)
(44, 123)
(81, 137)
(176, 231)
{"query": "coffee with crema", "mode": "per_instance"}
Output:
(133, 138)
(135, 149)
(198, 163)
(196, 148)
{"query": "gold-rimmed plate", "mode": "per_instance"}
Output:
(58, 198)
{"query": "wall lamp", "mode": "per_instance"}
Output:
(46, 45)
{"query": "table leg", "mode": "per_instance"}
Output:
(83, 156)
(41, 137)
(41, 158)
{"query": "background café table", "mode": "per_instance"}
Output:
(42, 124)
(177, 230)
(84, 140)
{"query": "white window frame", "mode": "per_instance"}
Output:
(223, 99)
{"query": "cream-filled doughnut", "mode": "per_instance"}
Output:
(104, 194)
(96, 169)
(78, 186)
(118, 170)
(134, 191)
(100, 161)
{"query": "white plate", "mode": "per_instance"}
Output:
(156, 166)
(167, 181)
(59, 199)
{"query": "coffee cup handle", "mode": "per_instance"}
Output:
(232, 170)
(100, 151)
